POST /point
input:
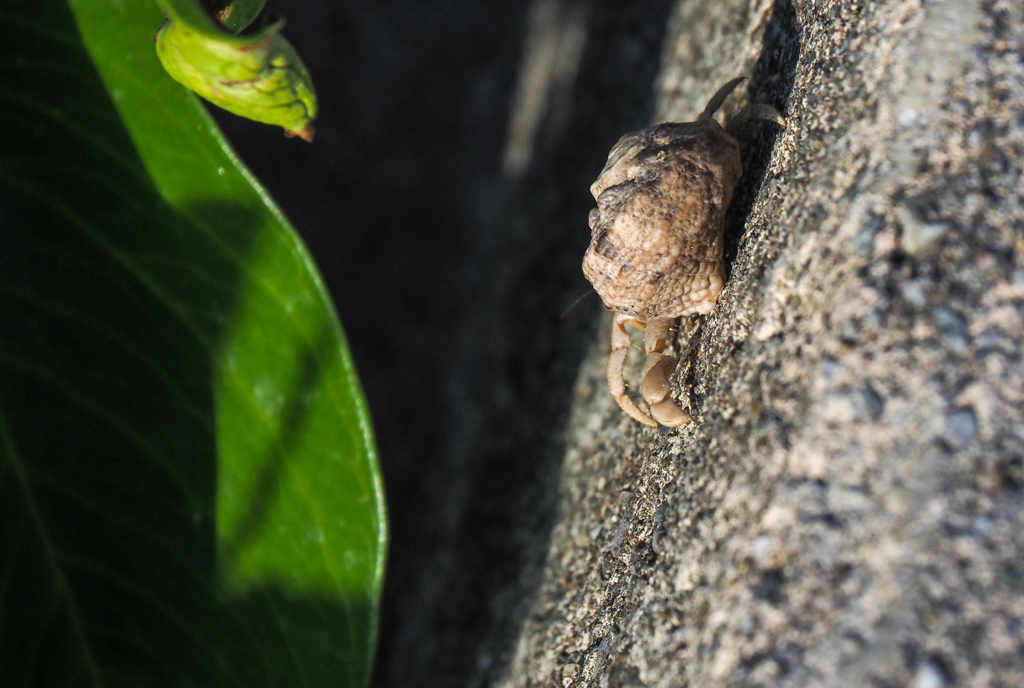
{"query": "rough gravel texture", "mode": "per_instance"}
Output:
(847, 508)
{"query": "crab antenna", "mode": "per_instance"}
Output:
(576, 302)
(719, 98)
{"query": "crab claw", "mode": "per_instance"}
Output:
(616, 364)
(655, 388)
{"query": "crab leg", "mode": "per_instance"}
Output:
(616, 363)
(655, 388)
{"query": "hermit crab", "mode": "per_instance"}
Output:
(656, 240)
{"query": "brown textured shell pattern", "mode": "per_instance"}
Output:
(656, 234)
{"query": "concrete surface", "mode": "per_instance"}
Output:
(847, 508)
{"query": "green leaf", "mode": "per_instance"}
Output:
(258, 76)
(238, 14)
(189, 493)
(205, 15)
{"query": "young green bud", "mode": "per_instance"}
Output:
(260, 77)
